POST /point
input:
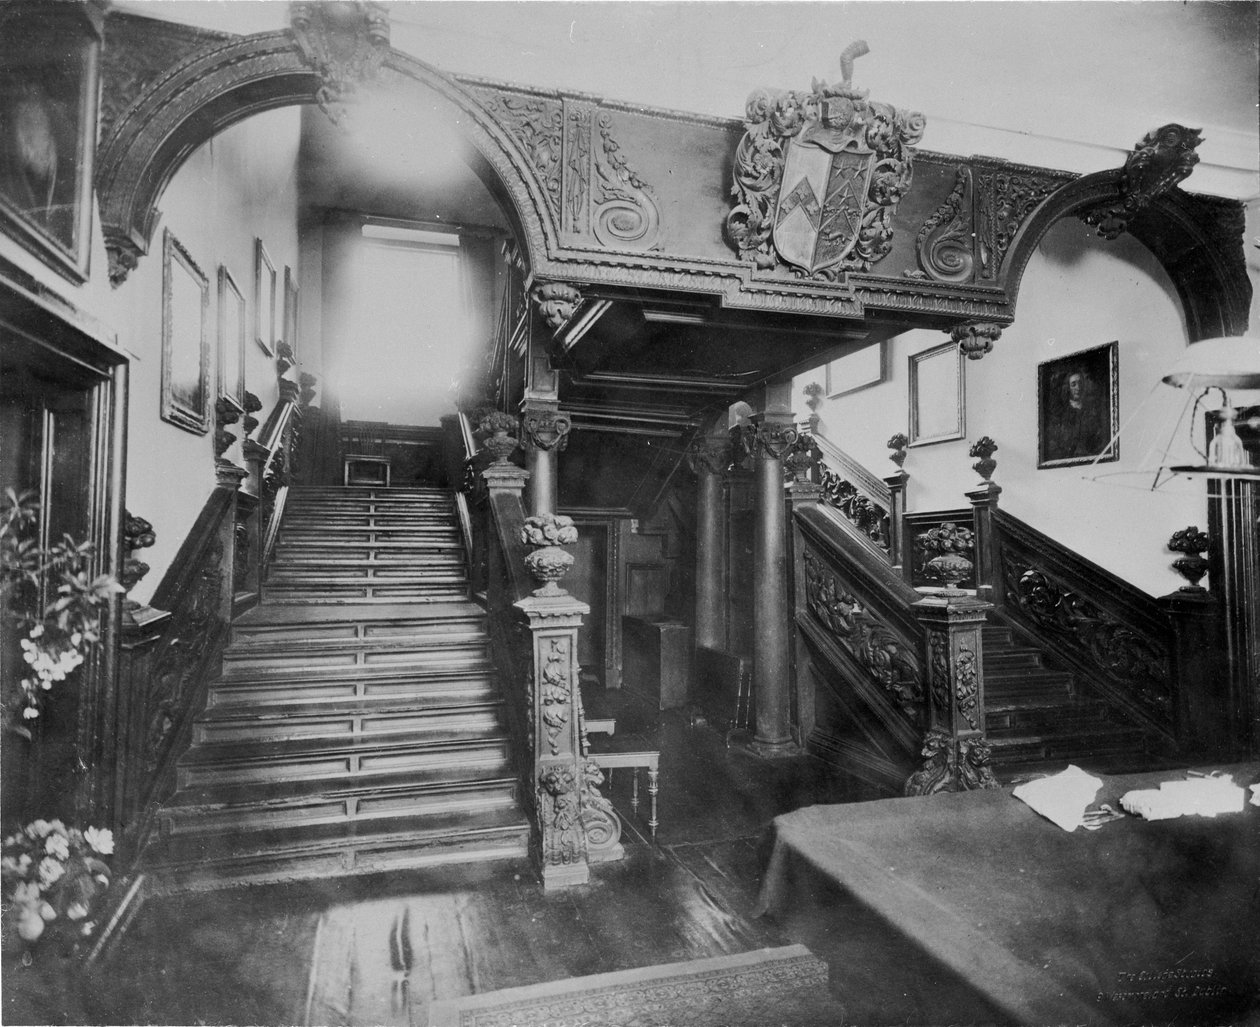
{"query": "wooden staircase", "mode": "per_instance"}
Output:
(1038, 718)
(357, 725)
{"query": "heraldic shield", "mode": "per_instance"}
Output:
(826, 179)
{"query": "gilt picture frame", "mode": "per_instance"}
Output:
(938, 395)
(233, 331)
(264, 299)
(185, 339)
(49, 100)
(1078, 408)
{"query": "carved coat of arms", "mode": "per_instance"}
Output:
(818, 176)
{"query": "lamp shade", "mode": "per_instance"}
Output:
(1230, 362)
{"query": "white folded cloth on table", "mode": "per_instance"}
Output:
(1061, 798)
(1196, 796)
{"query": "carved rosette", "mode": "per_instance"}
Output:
(1159, 161)
(861, 149)
(546, 428)
(888, 660)
(708, 454)
(952, 765)
(345, 44)
(975, 340)
(556, 302)
(945, 247)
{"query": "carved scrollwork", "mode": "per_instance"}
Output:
(601, 824)
(832, 134)
(967, 685)
(866, 515)
(1007, 196)
(344, 43)
(945, 246)
(556, 302)
(1136, 662)
(952, 765)
(771, 438)
(1159, 161)
(559, 805)
(537, 124)
(624, 214)
(884, 656)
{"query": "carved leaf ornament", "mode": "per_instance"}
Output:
(818, 176)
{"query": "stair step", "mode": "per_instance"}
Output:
(403, 571)
(1050, 718)
(437, 718)
(417, 674)
(290, 759)
(372, 591)
(1032, 684)
(328, 850)
(271, 808)
(1012, 658)
(1081, 744)
(304, 639)
(268, 613)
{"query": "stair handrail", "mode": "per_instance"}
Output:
(859, 494)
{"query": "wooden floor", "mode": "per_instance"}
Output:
(337, 952)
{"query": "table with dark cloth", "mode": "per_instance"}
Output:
(1138, 922)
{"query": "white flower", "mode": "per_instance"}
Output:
(37, 631)
(77, 911)
(101, 839)
(38, 828)
(30, 713)
(50, 871)
(58, 846)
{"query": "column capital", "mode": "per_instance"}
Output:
(505, 477)
(544, 426)
(556, 302)
(709, 454)
(771, 434)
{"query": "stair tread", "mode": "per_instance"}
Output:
(285, 613)
(350, 707)
(426, 669)
(277, 843)
(277, 751)
(251, 648)
(300, 791)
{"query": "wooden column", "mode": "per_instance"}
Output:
(709, 457)
(773, 433)
(801, 493)
(546, 433)
(956, 756)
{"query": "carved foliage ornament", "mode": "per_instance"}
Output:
(556, 692)
(1006, 198)
(945, 246)
(546, 428)
(770, 438)
(882, 653)
(1160, 160)
(975, 340)
(559, 805)
(866, 515)
(556, 302)
(952, 765)
(345, 42)
(818, 176)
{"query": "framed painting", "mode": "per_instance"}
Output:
(185, 339)
(938, 395)
(857, 370)
(233, 331)
(291, 309)
(1078, 408)
(264, 300)
(49, 72)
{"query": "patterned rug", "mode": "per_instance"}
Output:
(780, 986)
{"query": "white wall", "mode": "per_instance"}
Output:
(239, 185)
(1078, 292)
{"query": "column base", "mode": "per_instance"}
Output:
(775, 750)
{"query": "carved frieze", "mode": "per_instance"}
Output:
(884, 656)
(946, 244)
(1006, 196)
(1159, 161)
(952, 765)
(556, 302)
(1131, 659)
(537, 125)
(345, 44)
(818, 176)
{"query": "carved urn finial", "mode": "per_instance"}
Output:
(500, 434)
(548, 563)
(949, 566)
(801, 458)
(1192, 566)
(137, 534)
(225, 414)
(984, 448)
(898, 446)
(252, 405)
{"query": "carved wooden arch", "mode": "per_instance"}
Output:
(221, 84)
(1197, 240)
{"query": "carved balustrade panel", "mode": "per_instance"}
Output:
(868, 516)
(923, 529)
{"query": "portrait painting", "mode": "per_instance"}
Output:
(49, 55)
(185, 339)
(1078, 408)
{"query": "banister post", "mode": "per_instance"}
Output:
(801, 493)
(984, 502)
(956, 755)
(897, 543)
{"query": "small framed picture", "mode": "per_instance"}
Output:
(185, 339)
(233, 331)
(49, 77)
(938, 395)
(264, 300)
(291, 309)
(1078, 408)
(857, 370)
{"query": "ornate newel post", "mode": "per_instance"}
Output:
(709, 457)
(984, 504)
(574, 824)
(897, 543)
(956, 755)
(771, 434)
(1199, 702)
(546, 434)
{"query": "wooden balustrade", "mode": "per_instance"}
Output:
(865, 499)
